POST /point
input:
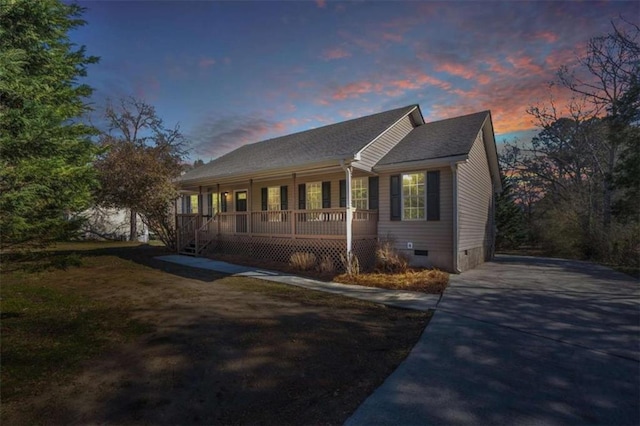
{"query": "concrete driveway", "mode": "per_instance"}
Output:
(522, 340)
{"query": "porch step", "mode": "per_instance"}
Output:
(189, 250)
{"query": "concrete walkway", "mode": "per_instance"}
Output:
(521, 340)
(400, 299)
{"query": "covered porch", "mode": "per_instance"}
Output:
(329, 211)
(276, 234)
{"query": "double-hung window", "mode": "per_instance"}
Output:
(274, 203)
(413, 196)
(314, 196)
(273, 198)
(193, 204)
(214, 204)
(360, 193)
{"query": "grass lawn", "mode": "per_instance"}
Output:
(104, 333)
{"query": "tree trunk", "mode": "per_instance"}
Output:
(133, 226)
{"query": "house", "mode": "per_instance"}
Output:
(111, 224)
(427, 187)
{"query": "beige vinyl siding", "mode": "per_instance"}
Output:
(374, 152)
(475, 194)
(434, 236)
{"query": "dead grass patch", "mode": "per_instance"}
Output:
(213, 349)
(430, 281)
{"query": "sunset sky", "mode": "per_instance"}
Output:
(239, 72)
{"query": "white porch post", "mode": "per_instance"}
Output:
(348, 171)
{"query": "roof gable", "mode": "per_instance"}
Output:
(437, 139)
(333, 142)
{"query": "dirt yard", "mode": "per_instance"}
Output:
(223, 350)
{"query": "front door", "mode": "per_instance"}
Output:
(241, 208)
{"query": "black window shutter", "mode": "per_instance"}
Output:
(373, 192)
(433, 195)
(396, 213)
(284, 202)
(223, 202)
(343, 193)
(187, 204)
(264, 192)
(302, 196)
(326, 195)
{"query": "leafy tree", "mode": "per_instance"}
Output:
(45, 152)
(142, 159)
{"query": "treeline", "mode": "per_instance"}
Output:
(574, 190)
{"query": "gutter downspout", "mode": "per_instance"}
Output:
(348, 172)
(456, 234)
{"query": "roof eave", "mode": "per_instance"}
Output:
(492, 152)
(423, 163)
(272, 172)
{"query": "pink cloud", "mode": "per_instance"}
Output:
(354, 90)
(547, 36)
(456, 69)
(466, 72)
(414, 80)
(321, 4)
(525, 63)
(206, 62)
(507, 98)
(424, 79)
(335, 53)
(496, 66)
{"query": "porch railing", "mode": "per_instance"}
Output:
(206, 233)
(325, 222)
(187, 225)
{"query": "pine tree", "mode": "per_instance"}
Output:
(45, 151)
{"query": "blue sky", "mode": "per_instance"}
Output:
(239, 72)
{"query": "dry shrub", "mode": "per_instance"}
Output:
(351, 264)
(390, 260)
(303, 261)
(326, 265)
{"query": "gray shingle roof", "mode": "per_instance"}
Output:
(340, 140)
(437, 139)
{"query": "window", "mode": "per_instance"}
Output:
(314, 196)
(214, 204)
(273, 198)
(360, 193)
(193, 203)
(413, 196)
